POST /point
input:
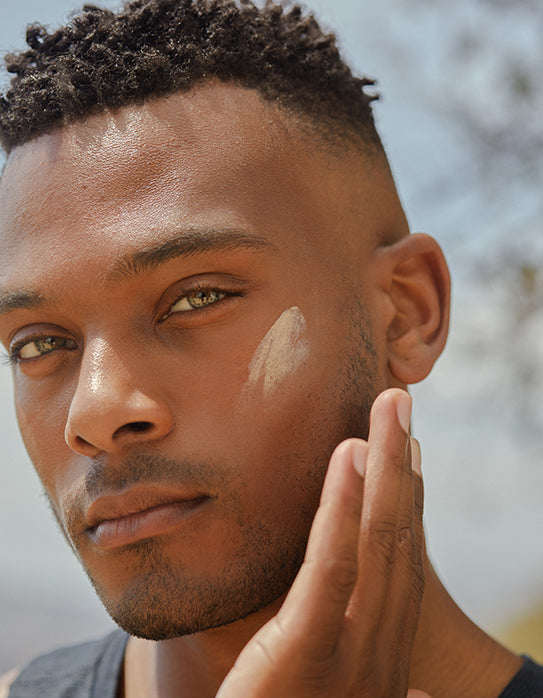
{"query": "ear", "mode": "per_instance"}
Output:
(416, 279)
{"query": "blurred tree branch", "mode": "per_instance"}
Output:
(486, 81)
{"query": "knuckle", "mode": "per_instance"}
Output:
(382, 536)
(266, 656)
(391, 541)
(405, 536)
(340, 573)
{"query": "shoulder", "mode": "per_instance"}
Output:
(6, 680)
(527, 683)
(72, 670)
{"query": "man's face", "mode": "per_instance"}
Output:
(188, 299)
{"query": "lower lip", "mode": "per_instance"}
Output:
(156, 521)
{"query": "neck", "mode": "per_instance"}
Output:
(453, 657)
(196, 664)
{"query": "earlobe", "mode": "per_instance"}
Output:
(418, 286)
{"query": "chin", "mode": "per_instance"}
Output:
(162, 602)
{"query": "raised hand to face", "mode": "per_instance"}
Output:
(347, 626)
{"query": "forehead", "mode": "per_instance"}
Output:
(200, 140)
(215, 157)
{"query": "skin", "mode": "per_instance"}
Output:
(138, 387)
(280, 353)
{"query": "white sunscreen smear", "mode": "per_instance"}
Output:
(280, 353)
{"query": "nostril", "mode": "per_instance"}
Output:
(81, 443)
(139, 426)
(133, 428)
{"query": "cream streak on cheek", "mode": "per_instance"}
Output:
(283, 350)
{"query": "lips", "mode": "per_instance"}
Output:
(138, 514)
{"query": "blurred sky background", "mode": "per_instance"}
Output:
(460, 118)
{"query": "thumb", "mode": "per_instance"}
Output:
(414, 693)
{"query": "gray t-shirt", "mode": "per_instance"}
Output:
(92, 670)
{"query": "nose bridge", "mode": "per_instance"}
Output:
(115, 400)
(99, 359)
(104, 376)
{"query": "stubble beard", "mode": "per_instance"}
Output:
(167, 602)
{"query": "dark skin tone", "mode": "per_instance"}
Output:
(141, 273)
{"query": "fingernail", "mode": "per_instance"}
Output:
(359, 455)
(403, 408)
(416, 456)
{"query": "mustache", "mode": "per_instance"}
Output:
(103, 477)
(142, 468)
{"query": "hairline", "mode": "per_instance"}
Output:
(333, 137)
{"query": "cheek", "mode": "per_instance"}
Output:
(234, 392)
(42, 422)
(287, 409)
(280, 354)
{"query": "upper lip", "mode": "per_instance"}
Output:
(136, 500)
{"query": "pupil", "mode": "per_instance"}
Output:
(48, 343)
(203, 298)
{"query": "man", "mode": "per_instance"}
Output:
(206, 281)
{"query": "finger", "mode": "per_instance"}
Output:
(418, 492)
(387, 599)
(418, 501)
(406, 576)
(385, 512)
(314, 609)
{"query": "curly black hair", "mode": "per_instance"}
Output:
(151, 48)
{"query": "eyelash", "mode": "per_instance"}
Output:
(8, 359)
(11, 358)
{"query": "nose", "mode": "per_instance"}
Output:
(116, 403)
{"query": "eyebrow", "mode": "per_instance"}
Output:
(186, 244)
(20, 299)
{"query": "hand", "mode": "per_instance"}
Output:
(348, 623)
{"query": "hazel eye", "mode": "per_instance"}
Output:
(193, 300)
(42, 346)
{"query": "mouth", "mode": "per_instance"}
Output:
(120, 520)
